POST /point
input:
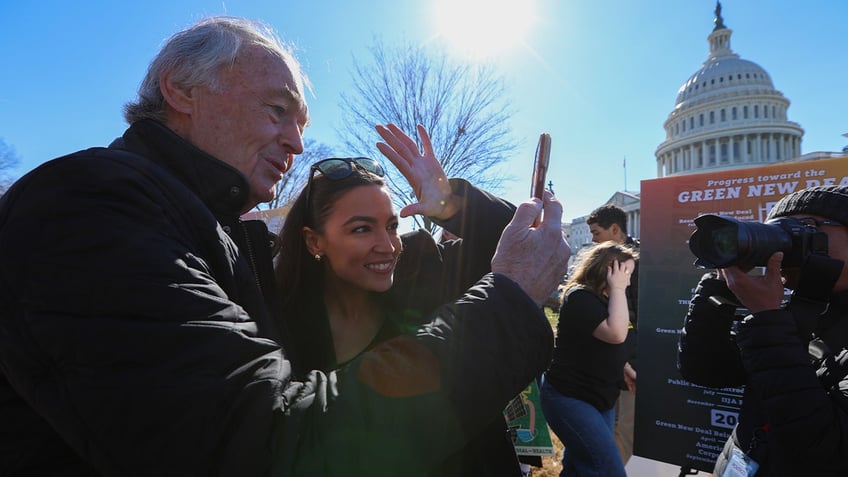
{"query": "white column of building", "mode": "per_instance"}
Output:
(772, 148)
(692, 162)
(784, 146)
(715, 147)
(730, 142)
(766, 149)
(634, 220)
(787, 147)
(749, 147)
(787, 143)
(637, 229)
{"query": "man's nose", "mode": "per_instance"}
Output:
(290, 137)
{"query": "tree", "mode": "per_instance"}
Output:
(294, 179)
(8, 161)
(462, 106)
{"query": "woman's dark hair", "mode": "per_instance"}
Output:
(297, 272)
(591, 269)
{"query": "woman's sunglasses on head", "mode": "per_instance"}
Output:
(338, 168)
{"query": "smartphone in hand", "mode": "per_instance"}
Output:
(540, 169)
(540, 165)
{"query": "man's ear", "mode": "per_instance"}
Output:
(312, 239)
(178, 97)
(615, 230)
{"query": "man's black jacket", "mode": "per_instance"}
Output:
(796, 407)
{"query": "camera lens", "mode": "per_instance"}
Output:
(725, 242)
(721, 242)
(715, 241)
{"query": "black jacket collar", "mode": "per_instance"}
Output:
(220, 186)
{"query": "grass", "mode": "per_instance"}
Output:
(551, 465)
(552, 315)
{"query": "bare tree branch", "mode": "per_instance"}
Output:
(8, 161)
(462, 106)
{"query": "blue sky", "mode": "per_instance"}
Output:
(600, 76)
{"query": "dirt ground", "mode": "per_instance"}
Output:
(551, 465)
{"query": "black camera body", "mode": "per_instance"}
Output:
(721, 241)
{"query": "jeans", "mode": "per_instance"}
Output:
(586, 433)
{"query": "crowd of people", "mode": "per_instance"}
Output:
(147, 329)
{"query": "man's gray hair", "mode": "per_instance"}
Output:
(197, 55)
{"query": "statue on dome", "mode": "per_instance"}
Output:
(719, 22)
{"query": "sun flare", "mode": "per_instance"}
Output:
(483, 28)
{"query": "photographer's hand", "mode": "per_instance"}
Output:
(757, 293)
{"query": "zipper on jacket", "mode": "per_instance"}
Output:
(250, 256)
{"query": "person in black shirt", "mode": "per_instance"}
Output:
(582, 384)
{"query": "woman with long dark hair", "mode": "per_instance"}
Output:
(350, 281)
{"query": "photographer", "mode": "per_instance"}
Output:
(792, 359)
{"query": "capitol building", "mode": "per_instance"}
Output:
(728, 114)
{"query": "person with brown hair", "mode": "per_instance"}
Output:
(350, 281)
(580, 387)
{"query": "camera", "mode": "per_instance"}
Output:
(720, 242)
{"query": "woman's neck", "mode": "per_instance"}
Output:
(355, 320)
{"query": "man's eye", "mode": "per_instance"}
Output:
(278, 111)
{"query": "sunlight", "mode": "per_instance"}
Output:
(484, 28)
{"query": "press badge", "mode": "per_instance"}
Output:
(740, 465)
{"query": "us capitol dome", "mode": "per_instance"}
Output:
(727, 114)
